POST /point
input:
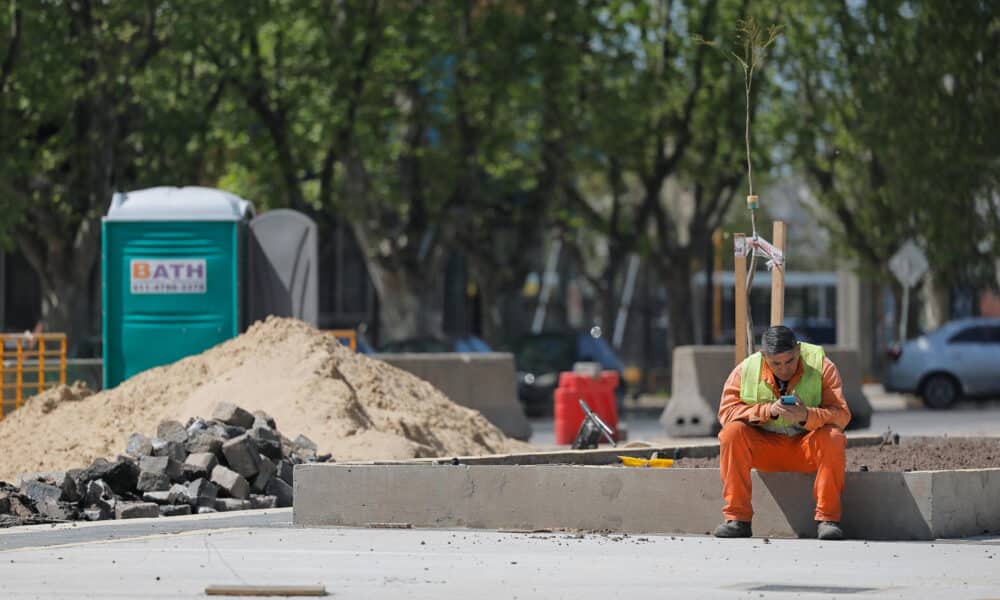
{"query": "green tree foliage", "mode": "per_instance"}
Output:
(890, 109)
(82, 115)
(482, 126)
(664, 140)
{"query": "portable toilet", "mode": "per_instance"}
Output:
(172, 275)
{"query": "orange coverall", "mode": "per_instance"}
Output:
(821, 450)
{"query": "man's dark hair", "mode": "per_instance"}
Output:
(777, 339)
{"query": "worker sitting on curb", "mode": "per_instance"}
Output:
(759, 432)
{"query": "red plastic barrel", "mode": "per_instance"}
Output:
(598, 393)
(607, 405)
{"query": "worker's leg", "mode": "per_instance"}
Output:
(742, 447)
(825, 449)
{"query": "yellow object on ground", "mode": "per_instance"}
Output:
(631, 461)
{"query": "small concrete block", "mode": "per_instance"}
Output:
(178, 494)
(136, 510)
(97, 492)
(204, 510)
(267, 441)
(202, 492)
(60, 511)
(263, 418)
(230, 482)
(162, 497)
(174, 450)
(169, 510)
(303, 442)
(286, 471)
(207, 440)
(264, 475)
(121, 475)
(41, 492)
(231, 431)
(171, 431)
(302, 455)
(50, 477)
(161, 464)
(228, 504)
(194, 425)
(242, 455)
(151, 482)
(138, 445)
(277, 487)
(199, 464)
(20, 506)
(226, 412)
(261, 501)
(74, 488)
(93, 514)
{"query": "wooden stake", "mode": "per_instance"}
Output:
(778, 278)
(265, 590)
(740, 296)
(717, 287)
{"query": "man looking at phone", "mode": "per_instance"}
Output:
(804, 433)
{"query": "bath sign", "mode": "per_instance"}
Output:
(168, 276)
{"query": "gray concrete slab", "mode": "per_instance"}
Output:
(104, 531)
(484, 381)
(699, 372)
(877, 505)
(433, 564)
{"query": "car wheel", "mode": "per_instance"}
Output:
(940, 391)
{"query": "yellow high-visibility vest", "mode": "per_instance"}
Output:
(809, 389)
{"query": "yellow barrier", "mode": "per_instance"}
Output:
(29, 357)
(347, 337)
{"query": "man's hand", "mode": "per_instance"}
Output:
(794, 414)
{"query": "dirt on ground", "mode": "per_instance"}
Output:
(911, 454)
(353, 406)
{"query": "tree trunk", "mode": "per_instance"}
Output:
(679, 301)
(936, 309)
(410, 299)
(64, 276)
(66, 308)
(410, 302)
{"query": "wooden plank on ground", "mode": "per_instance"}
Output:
(265, 590)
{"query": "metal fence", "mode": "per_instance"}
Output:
(29, 364)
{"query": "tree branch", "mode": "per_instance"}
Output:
(13, 46)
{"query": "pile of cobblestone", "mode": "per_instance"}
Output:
(235, 460)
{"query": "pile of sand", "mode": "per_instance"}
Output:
(351, 405)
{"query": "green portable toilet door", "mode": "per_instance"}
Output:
(172, 290)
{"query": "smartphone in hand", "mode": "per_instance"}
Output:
(788, 400)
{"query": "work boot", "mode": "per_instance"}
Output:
(829, 530)
(733, 529)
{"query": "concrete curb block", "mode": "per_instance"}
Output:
(485, 382)
(699, 372)
(878, 506)
(598, 456)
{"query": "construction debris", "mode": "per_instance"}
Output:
(161, 476)
(350, 405)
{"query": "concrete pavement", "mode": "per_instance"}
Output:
(385, 563)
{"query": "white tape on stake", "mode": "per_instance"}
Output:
(765, 249)
(740, 247)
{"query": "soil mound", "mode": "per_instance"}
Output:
(353, 406)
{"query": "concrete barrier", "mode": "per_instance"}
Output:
(877, 506)
(482, 381)
(700, 371)
(600, 456)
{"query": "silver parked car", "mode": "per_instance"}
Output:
(962, 358)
